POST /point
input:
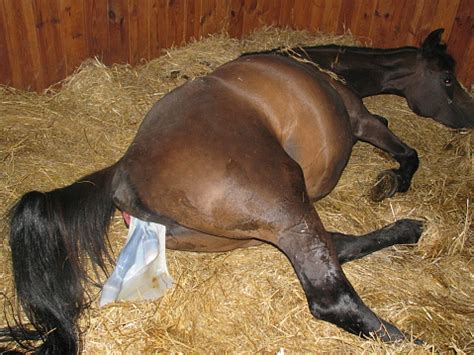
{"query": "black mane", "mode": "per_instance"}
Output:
(438, 55)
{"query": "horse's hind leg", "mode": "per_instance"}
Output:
(404, 231)
(372, 130)
(330, 296)
(298, 232)
(348, 247)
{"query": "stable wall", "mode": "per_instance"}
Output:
(42, 41)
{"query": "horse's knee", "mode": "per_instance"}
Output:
(409, 160)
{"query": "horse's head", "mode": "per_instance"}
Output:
(434, 91)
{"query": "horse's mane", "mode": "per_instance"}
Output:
(437, 55)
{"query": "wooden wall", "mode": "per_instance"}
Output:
(42, 41)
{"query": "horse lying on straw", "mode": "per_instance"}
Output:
(227, 160)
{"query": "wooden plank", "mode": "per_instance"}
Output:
(428, 16)
(464, 71)
(191, 21)
(22, 70)
(380, 25)
(317, 12)
(73, 33)
(382, 29)
(33, 46)
(250, 16)
(97, 27)
(362, 20)
(5, 68)
(139, 31)
(397, 37)
(258, 13)
(330, 19)
(225, 12)
(287, 13)
(118, 24)
(158, 27)
(444, 16)
(51, 51)
(301, 10)
(425, 24)
(462, 36)
(268, 12)
(403, 25)
(175, 20)
(414, 20)
(213, 17)
(345, 16)
(205, 17)
(236, 18)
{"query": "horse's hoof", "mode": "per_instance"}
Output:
(410, 230)
(417, 341)
(385, 186)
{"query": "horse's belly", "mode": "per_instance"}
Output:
(321, 144)
(323, 180)
(322, 176)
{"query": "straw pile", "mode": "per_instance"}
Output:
(250, 300)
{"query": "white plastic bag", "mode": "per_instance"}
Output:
(141, 271)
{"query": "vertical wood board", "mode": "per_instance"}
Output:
(42, 41)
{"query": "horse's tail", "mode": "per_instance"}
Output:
(51, 235)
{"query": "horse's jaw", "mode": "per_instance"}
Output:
(459, 113)
(465, 106)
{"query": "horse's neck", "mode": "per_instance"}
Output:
(369, 71)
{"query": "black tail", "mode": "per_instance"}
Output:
(48, 237)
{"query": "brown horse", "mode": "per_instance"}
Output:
(228, 160)
(424, 76)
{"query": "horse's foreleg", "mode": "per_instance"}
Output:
(370, 129)
(329, 294)
(404, 231)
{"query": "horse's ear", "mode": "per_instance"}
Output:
(432, 43)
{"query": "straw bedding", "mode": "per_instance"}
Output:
(249, 300)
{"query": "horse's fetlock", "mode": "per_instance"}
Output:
(325, 312)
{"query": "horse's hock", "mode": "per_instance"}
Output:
(250, 299)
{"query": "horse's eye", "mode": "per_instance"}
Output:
(448, 81)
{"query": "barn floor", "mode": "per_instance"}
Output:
(249, 300)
